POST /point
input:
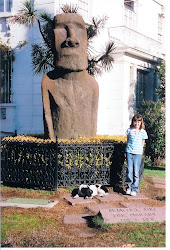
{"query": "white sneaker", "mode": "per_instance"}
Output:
(133, 193)
(128, 191)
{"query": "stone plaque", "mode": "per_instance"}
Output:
(110, 197)
(143, 214)
(78, 200)
(96, 208)
(137, 197)
(133, 204)
(75, 218)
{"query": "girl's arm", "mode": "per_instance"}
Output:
(143, 142)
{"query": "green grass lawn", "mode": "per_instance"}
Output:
(155, 171)
(152, 172)
(143, 234)
(36, 230)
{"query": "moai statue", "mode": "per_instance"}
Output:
(70, 94)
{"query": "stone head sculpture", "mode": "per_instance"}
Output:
(70, 42)
(70, 94)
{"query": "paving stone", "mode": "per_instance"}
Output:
(133, 204)
(157, 185)
(159, 180)
(96, 208)
(23, 205)
(28, 201)
(123, 215)
(137, 197)
(75, 218)
(78, 200)
(110, 197)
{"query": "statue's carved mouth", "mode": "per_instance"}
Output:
(70, 51)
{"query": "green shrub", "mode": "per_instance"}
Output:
(154, 118)
(72, 156)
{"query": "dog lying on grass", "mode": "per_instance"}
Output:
(86, 191)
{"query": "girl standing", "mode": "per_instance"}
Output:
(136, 136)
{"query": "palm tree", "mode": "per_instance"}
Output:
(43, 54)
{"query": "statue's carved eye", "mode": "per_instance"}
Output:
(80, 26)
(60, 26)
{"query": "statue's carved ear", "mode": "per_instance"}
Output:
(53, 75)
(55, 111)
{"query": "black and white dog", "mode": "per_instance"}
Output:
(83, 191)
(98, 189)
(86, 191)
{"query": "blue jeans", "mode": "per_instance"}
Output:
(133, 167)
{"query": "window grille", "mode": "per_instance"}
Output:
(5, 75)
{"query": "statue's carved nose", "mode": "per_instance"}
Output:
(71, 42)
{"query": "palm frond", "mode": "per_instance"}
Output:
(19, 19)
(106, 59)
(48, 34)
(66, 8)
(93, 68)
(27, 15)
(42, 59)
(28, 6)
(45, 17)
(97, 25)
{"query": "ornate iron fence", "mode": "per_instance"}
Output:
(50, 165)
(28, 164)
(84, 163)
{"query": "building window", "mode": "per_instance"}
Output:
(147, 82)
(9, 5)
(160, 27)
(141, 87)
(1, 5)
(83, 8)
(129, 14)
(155, 86)
(5, 5)
(6, 72)
(129, 4)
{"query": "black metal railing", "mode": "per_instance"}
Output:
(28, 164)
(53, 165)
(84, 163)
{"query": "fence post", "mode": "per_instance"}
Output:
(56, 166)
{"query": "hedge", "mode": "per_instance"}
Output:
(37, 158)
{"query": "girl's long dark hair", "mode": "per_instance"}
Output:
(138, 117)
